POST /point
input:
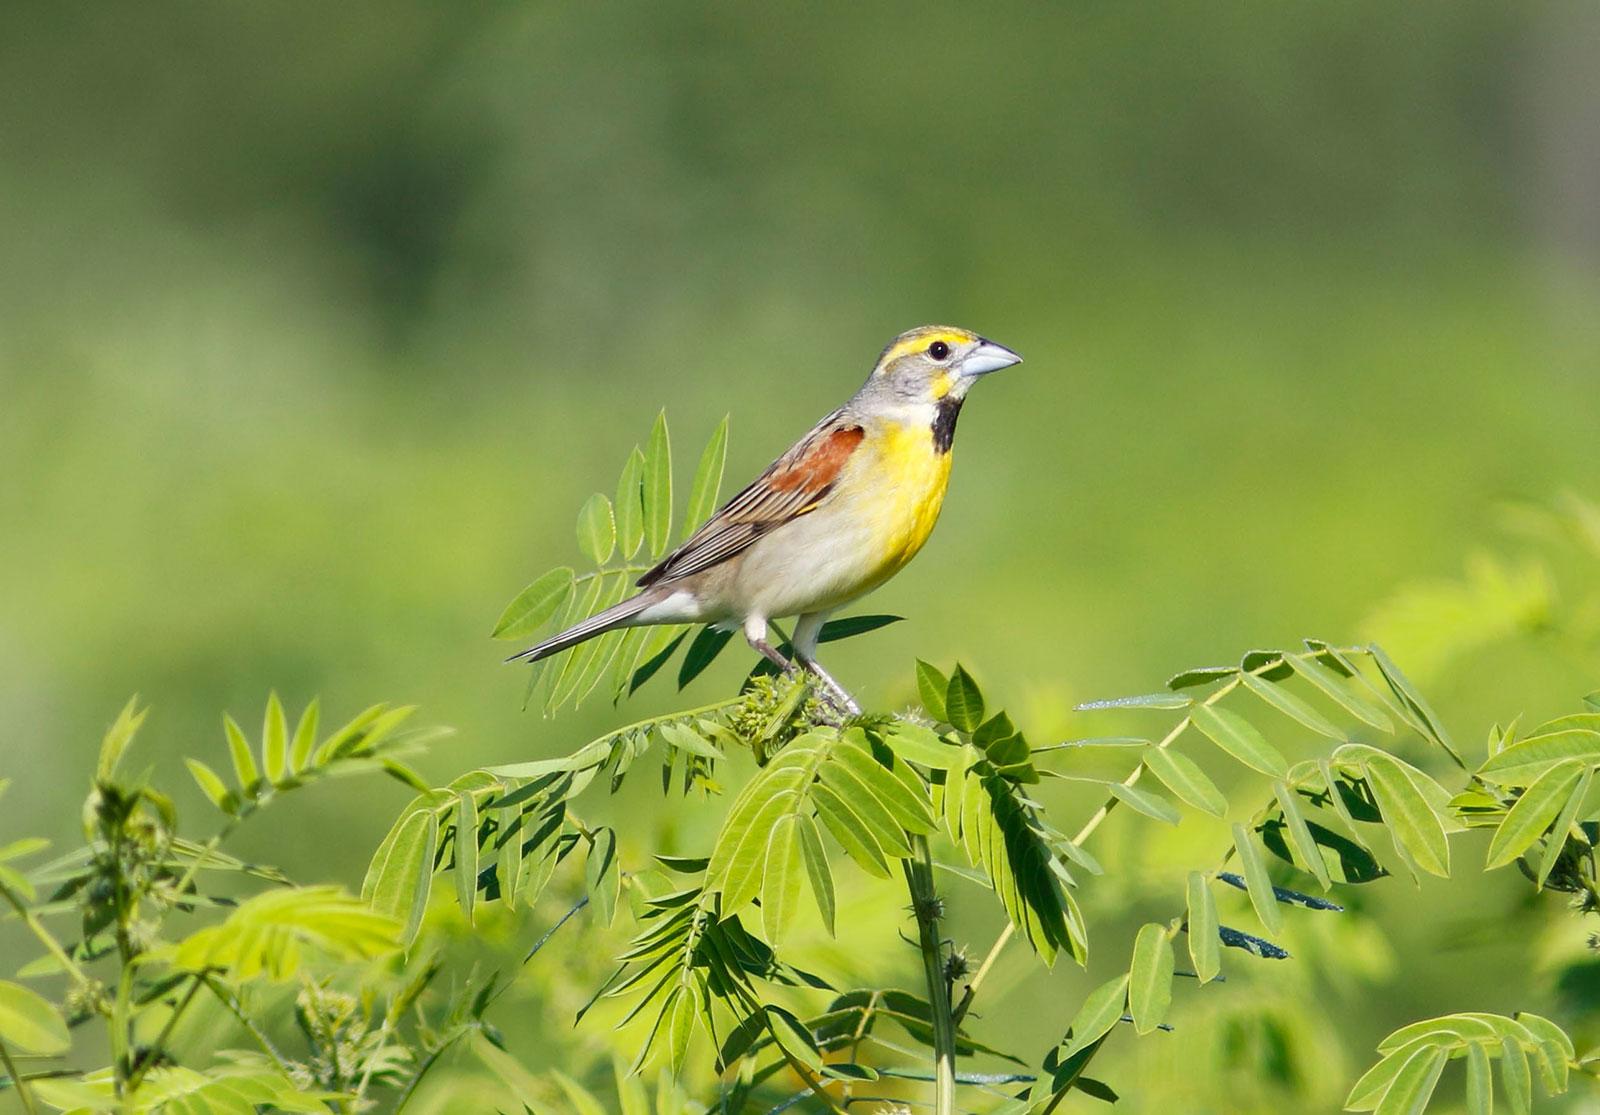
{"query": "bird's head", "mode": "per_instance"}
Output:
(934, 363)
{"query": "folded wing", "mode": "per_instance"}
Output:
(796, 484)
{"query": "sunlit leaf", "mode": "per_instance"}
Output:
(1525, 760)
(1305, 845)
(28, 1022)
(707, 483)
(818, 870)
(963, 701)
(212, 786)
(1291, 706)
(1239, 738)
(1533, 812)
(1336, 689)
(602, 877)
(597, 529)
(274, 740)
(781, 880)
(1183, 776)
(1150, 978)
(658, 487)
(305, 736)
(535, 605)
(1204, 950)
(1100, 1011)
(1143, 700)
(1480, 1096)
(1258, 882)
(629, 505)
(466, 846)
(931, 686)
(1411, 820)
(244, 761)
(1562, 828)
(270, 933)
(1142, 801)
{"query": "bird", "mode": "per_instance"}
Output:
(834, 517)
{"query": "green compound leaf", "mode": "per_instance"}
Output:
(1335, 688)
(29, 1023)
(963, 701)
(534, 605)
(1239, 738)
(1291, 706)
(597, 529)
(1150, 978)
(1100, 1011)
(1527, 759)
(707, 483)
(630, 505)
(1533, 812)
(1183, 776)
(1257, 881)
(931, 687)
(658, 487)
(1204, 948)
(1411, 820)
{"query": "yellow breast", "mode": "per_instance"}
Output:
(909, 493)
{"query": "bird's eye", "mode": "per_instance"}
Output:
(938, 350)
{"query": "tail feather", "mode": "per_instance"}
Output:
(618, 615)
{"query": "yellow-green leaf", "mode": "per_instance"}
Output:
(1183, 776)
(630, 505)
(597, 529)
(1533, 812)
(534, 605)
(29, 1023)
(963, 701)
(1525, 760)
(707, 483)
(1239, 738)
(1100, 1011)
(658, 487)
(1205, 950)
(1150, 978)
(1411, 821)
(1257, 882)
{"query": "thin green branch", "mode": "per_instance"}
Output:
(237, 1010)
(17, 1082)
(152, 1055)
(62, 957)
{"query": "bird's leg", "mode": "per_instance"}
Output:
(770, 653)
(807, 632)
(836, 692)
(755, 633)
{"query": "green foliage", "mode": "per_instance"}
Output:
(1414, 1057)
(1338, 773)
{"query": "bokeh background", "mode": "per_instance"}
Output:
(318, 322)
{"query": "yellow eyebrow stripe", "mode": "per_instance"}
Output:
(921, 341)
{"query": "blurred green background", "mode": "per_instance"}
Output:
(318, 322)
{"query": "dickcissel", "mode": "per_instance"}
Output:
(832, 519)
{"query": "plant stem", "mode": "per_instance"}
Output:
(925, 906)
(16, 1080)
(62, 957)
(227, 1000)
(154, 1052)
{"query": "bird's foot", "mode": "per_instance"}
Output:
(836, 694)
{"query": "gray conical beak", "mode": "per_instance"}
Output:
(988, 357)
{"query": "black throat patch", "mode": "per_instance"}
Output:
(944, 423)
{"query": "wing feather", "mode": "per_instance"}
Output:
(796, 484)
